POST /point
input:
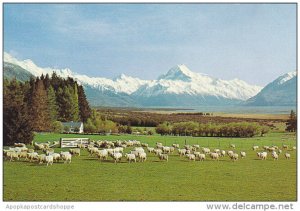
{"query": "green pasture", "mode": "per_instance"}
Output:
(88, 179)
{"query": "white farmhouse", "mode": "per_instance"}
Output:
(73, 127)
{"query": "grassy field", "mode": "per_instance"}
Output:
(88, 179)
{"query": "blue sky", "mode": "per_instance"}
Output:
(252, 42)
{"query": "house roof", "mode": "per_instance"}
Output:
(72, 124)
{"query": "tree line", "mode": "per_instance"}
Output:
(233, 129)
(40, 105)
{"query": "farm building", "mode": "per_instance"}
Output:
(73, 127)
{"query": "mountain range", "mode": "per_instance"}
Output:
(178, 87)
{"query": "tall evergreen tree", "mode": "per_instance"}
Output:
(39, 105)
(74, 104)
(52, 105)
(16, 119)
(291, 124)
(84, 108)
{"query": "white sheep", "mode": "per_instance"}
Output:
(66, 156)
(12, 155)
(175, 145)
(142, 156)
(75, 151)
(117, 156)
(263, 155)
(274, 155)
(294, 147)
(216, 150)
(279, 151)
(102, 154)
(41, 158)
(22, 154)
(206, 150)
(166, 150)
(196, 146)
(157, 151)
(144, 145)
(230, 153)
(201, 157)
(284, 146)
(243, 154)
(287, 155)
(130, 157)
(255, 148)
(163, 157)
(234, 157)
(214, 156)
(32, 156)
(181, 152)
(49, 160)
(150, 149)
(191, 157)
(56, 157)
(232, 146)
(222, 153)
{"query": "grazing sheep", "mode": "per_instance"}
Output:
(157, 151)
(274, 155)
(163, 157)
(271, 149)
(117, 156)
(48, 151)
(191, 157)
(284, 146)
(142, 156)
(22, 155)
(206, 150)
(139, 149)
(56, 157)
(222, 153)
(263, 155)
(32, 156)
(92, 150)
(49, 160)
(230, 153)
(75, 151)
(11, 155)
(175, 145)
(81, 146)
(159, 145)
(294, 147)
(150, 149)
(196, 146)
(214, 156)
(216, 150)
(38, 146)
(201, 157)
(41, 158)
(266, 147)
(234, 157)
(181, 152)
(30, 150)
(279, 151)
(255, 148)
(67, 157)
(287, 155)
(232, 146)
(130, 157)
(102, 154)
(144, 145)
(166, 149)
(243, 154)
(196, 153)
(258, 154)
(136, 153)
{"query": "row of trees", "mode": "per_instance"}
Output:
(234, 129)
(40, 105)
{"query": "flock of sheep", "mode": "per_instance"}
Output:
(115, 150)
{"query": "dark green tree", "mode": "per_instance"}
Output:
(291, 124)
(84, 108)
(16, 118)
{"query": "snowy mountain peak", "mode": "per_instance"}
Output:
(178, 72)
(286, 77)
(178, 81)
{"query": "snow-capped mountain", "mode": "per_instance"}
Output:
(280, 92)
(179, 86)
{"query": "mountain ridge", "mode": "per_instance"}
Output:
(178, 83)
